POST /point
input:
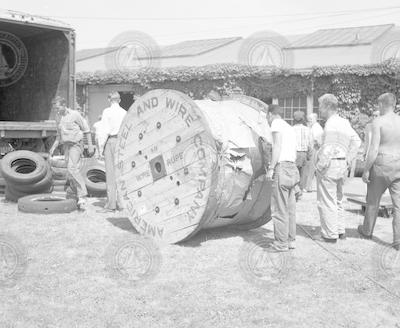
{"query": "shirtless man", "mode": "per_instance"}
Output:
(382, 168)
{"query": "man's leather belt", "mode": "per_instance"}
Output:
(340, 158)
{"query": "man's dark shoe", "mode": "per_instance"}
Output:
(362, 234)
(342, 236)
(325, 240)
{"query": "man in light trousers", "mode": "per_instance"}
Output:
(71, 128)
(111, 121)
(285, 175)
(340, 144)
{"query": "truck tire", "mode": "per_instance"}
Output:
(95, 179)
(46, 204)
(23, 167)
(12, 195)
(58, 163)
(42, 186)
(59, 173)
(59, 182)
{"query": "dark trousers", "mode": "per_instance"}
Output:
(384, 174)
(283, 203)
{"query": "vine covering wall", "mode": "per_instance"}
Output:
(357, 86)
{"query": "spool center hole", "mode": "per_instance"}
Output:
(158, 167)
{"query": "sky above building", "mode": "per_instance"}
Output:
(169, 21)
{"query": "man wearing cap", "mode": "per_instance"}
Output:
(71, 128)
(303, 145)
(382, 168)
(340, 144)
(285, 175)
(111, 121)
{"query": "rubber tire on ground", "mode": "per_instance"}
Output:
(42, 186)
(58, 189)
(58, 163)
(94, 188)
(13, 195)
(59, 173)
(23, 156)
(46, 204)
(59, 182)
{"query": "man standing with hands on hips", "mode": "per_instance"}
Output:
(111, 121)
(340, 144)
(71, 128)
(285, 175)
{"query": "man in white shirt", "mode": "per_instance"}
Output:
(316, 133)
(283, 171)
(111, 121)
(340, 144)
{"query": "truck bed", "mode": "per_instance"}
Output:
(43, 129)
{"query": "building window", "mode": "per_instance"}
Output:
(316, 109)
(291, 105)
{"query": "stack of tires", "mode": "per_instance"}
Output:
(92, 170)
(25, 173)
(59, 169)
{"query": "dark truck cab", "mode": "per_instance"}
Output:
(37, 63)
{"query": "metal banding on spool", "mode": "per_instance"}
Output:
(177, 170)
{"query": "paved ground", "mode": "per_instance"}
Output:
(219, 278)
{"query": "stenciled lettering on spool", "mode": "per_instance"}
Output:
(162, 200)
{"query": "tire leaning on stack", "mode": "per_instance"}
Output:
(95, 179)
(25, 173)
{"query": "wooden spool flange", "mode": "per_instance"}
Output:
(166, 165)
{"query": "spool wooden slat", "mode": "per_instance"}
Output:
(175, 175)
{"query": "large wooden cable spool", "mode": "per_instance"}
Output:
(185, 165)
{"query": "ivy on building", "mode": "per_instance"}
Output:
(356, 86)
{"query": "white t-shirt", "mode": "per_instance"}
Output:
(289, 144)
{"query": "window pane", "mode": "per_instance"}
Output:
(303, 102)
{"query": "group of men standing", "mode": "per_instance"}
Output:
(331, 151)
